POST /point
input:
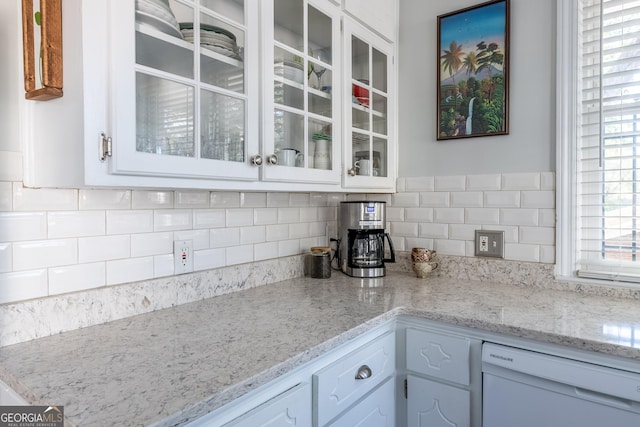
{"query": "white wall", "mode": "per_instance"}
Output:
(530, 145)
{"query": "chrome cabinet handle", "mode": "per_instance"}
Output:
(272, 159)
(256, 160)
(363, 373)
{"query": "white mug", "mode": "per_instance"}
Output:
(363, 166)
(288, 156)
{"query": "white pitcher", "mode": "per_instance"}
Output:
(322, 155)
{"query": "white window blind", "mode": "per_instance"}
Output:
(608, 140)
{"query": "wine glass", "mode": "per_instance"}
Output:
(323, 56)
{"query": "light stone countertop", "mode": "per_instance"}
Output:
(175, 364)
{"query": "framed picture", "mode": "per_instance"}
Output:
(473, 71)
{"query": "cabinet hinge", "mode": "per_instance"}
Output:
(104, 146)
(406, 389)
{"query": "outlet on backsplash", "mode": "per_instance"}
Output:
(183, 256)
(489, 243)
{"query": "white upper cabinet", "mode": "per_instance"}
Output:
(214, 94)
(302, 91)
(369, 113)
(380, 15)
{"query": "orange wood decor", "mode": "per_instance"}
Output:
(51, 51)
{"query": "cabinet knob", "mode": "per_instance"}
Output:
(351, 172)
(363, 373)
(256, 160)
(272, 159)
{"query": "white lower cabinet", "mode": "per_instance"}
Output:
(433, 404)
(291, 408)
(376, 410)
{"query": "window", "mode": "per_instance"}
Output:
(599, 139)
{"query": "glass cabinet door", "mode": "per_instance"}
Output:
(301, 91)
(187, 99)
(369, 152)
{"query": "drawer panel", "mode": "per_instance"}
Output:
(376, 410)
(336, 386)
(438, 355)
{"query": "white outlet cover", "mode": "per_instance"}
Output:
(183, 256)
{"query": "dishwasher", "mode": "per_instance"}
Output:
(525, 388)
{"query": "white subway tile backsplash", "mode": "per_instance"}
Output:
(450, 183)
(72, 278)
(239, 217)
(163, 265)
(469, 248)
(418, 214)
(224, 199)
(395, 214)
(278, 200)
(127, 222)
(417, 242)
(104, 199)
(209, 218)
(448, 215)
(405, 200)
(23, 285)
(17, 226)
(5, 257)
(519, 216)
(547, 181)
(482, 215)
(76, 224)
(489, 182)
(267, 250)
(288, 247)
(434, 231)
(43, 199)
(299, 231)
(255, 234)
(309, 214)
(317, 229)
(468, 199)
(299, 199)
(502, 199)
(538, 199)
(146, 244)
(521, 181)
(6, 196)
(450, 247)
(288, 215)
(265, 216)
(129, 270)
(239, 254)
(318, 200)
(199, 237)
(152, 199)
(209, 258)
(538, 235)
(511, 232)
(38, 254)
(104, 248)
(422, 183)
(409, 229)
(172, 219)
(547, 254)
(253, 200)
(191, 199)
(462, 231)
(224, 237)
(547, 217)
(439, 199)
(522, 252)
(277, 232)
(334, 199)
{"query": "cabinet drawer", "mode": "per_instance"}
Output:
(376, 410)
(336, 386)
(291, 408)
(438, 355)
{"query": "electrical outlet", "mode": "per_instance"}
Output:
(183, 256)
(489, 243)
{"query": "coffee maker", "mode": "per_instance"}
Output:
(361, 248)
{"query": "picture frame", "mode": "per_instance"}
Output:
(42, 56)
(473, 71)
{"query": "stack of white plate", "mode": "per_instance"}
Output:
(158, 14)
(213, 38)
(289, 70)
